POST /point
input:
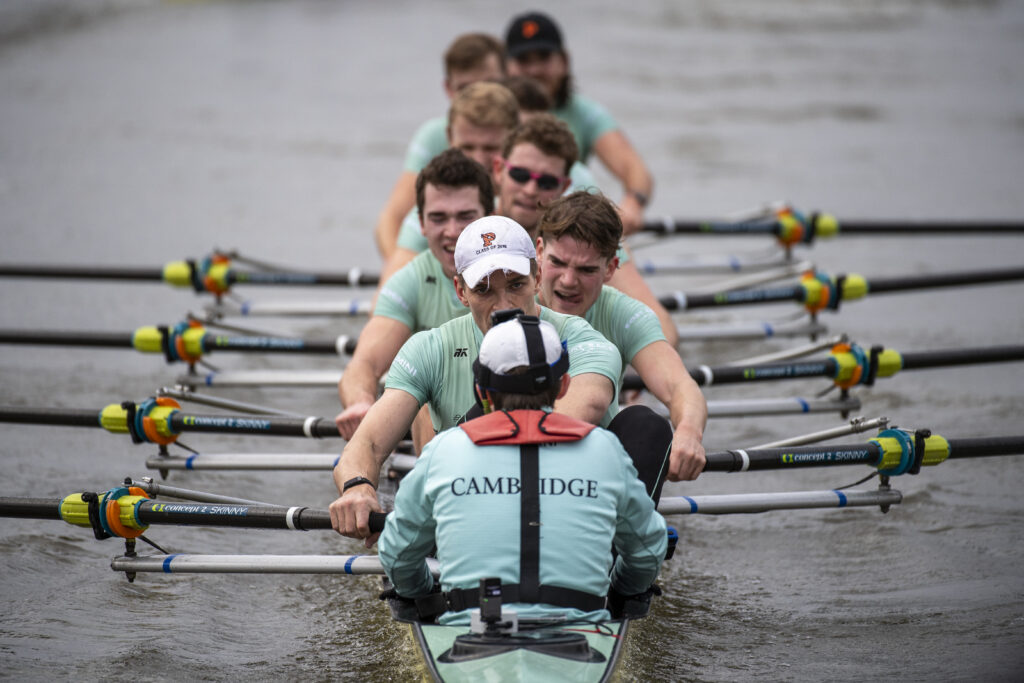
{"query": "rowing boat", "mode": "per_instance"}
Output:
(553, 651)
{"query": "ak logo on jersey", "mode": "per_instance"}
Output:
(488, 238)
(461, 352)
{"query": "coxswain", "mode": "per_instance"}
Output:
(535, 499)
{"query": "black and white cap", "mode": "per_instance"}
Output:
(524, 341)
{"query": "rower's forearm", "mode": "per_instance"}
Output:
(689, 412)
(358, 384)
(359, 459)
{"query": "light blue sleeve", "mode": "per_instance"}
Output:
(415, 369)
(641, 538)
(399, 297)
(410, 236)
(583, 179)
(430, 139)
(637, 324)
(409, 532)
(589, 351)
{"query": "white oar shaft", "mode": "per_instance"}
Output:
(856, 426)
(763, 502)
(244, 461)
(782, 406)
(288, 308)
(254, 564)
(750, 330)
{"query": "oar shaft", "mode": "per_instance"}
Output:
(936, 227)
(66, 417)
(354, 278)
(59, 338)
(681, 301)
(984, 446)
(30, 508)
(82, 272)
(977, 277)
(310, 427)
(950, 357)
(149, 512)
(870, 453)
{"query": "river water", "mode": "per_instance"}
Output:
(136, 133)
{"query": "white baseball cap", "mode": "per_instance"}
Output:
(493, 243)
(505, 346)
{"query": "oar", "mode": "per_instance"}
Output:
(848, 365)
(136, 511)
(183, 342)
(892, 452)
(127, 511)
(819, 291)
(209, 275)
(791, 227)
(160, 420)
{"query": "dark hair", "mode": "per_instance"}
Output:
(529, 93)
(549, 135)
(469, 51)
(510, 401)
(451, 168)
(587, 218)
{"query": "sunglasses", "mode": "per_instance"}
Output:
(545, 181)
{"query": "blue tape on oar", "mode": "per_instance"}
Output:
(188, 461)
(804, 405)
(735, 263)
(246, 307)
(167, 563)
(349, 562)
(209, 378)
(353, 307)
(769, 330)
(842, 498)
(693, 504)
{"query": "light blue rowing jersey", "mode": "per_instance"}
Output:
(465, 499)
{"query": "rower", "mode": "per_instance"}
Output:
(496, 269)
(471, 57)
(480, 116)
(577, 239)
(484, 491)
(534, 46)
(532, 173)
(452, 191)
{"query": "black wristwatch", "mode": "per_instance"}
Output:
(640, 198)
(356, 481)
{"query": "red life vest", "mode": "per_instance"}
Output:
(524, 427)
